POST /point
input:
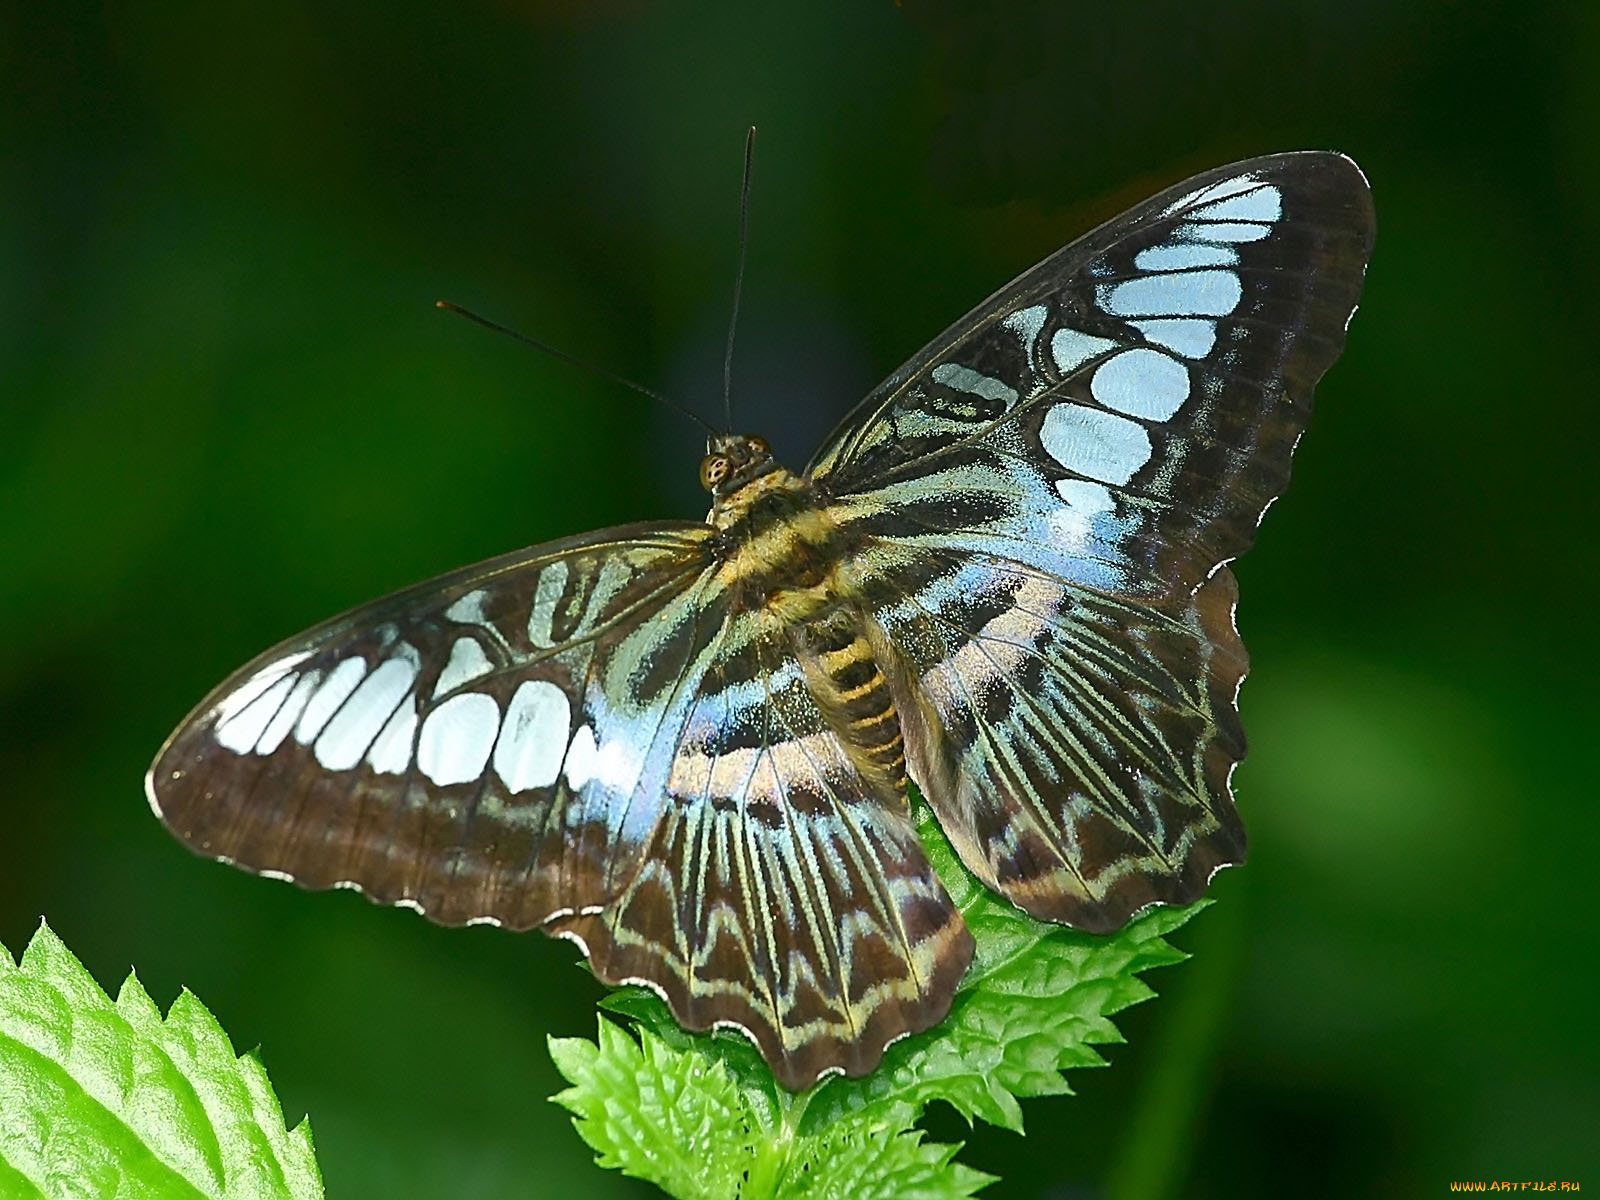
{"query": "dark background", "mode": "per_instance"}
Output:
(229, 410)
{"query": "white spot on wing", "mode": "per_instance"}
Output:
(1264, 203)
(391, 753)
(1192, 337)
(899, 1037)
(575, 940)
(581, 758)
(457, 738)
(965, 379)
(541, 617)
(733, 1026)
(258, 683)
(467, 662)
(1075, 524)
(243, 724)
(1097, 444)
(641, 981)
(325, 701)
(1187, 293)
(1072, 348)
(1088, 498)
(232, 707)
(368, 712)
(614, 763)
(278, 729)
(150, 790)
(1142, 383)
(468, 609)
(1215, 191)
(1238, 231)
(1026, 323)
(533, 737)
(1184, 257)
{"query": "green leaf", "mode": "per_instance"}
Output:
(679, 1118)
(109, 1099)
(857, 1163)
(1037, 1001)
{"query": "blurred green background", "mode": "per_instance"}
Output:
(229, 410)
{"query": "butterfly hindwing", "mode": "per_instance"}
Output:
(784, 890)
(1046, 497)
(1076, 747)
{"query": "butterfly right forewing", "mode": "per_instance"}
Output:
(1045, 501)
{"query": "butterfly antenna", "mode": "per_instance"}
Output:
(450, 306)
(738, 278)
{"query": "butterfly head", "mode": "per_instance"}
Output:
(733, 460)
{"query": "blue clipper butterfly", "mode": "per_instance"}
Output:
(685, 747)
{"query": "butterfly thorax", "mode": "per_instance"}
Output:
(774, 489)
(779, 546)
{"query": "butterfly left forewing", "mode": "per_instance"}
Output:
(421, 748)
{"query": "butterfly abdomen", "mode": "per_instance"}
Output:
(849, 685)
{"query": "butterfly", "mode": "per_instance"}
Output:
(686, 747)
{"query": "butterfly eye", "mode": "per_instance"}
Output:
(713, 470)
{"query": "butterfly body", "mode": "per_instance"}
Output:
(686, 746)
(787, 561)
